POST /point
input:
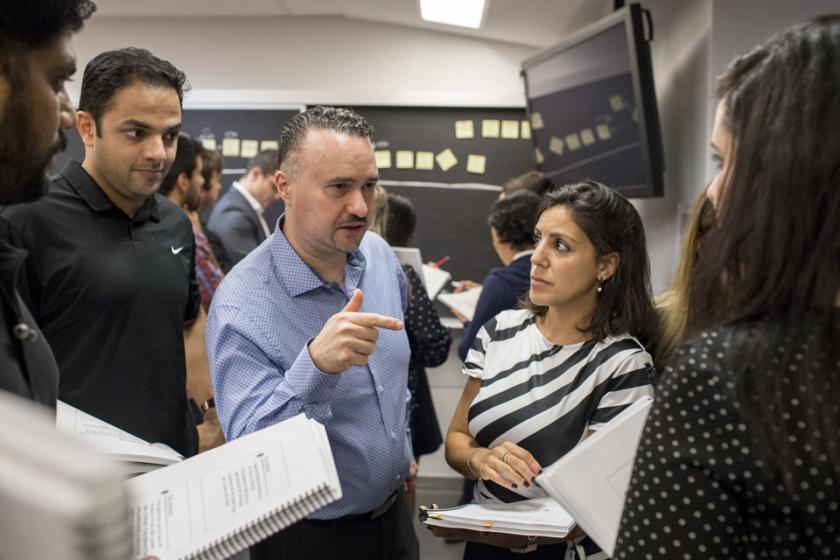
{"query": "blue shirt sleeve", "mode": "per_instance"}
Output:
(252, 391)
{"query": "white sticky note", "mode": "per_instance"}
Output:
(464, 129)
(490, 128)
(556, 145)
(249, 148)
(230, 147)
(587, 136)
(383, 159)
(424, 161)
(538, 155)
(209, 144)
(572, 141)
(476, 164)
(616, 102)
(405, 159)
(603, 131)
(536, 121)
(526, 130)
(510, 130)
(269, 145)
(446, 160)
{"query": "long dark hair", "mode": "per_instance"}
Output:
(774, 255)
(613, 225)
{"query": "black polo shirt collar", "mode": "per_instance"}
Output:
(84, 185)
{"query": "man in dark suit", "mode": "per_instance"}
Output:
(237, 220)
(36, 59)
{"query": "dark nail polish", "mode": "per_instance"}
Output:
(527, 484)
(515, 486)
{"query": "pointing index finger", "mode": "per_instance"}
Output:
(377, 320)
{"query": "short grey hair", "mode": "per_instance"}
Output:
(339, 120)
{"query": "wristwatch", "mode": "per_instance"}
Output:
(207, 405)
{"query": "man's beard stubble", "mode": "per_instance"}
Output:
(22, 170)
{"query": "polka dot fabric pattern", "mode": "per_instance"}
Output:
(704, 487)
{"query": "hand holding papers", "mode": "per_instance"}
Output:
(226, 499)
(538, 517)
(462, 302)
(590, 480)
(434, 279)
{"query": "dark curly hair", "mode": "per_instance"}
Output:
(514, 218)
(613, 225)
(33, 24)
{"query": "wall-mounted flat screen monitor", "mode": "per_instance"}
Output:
(592, 106)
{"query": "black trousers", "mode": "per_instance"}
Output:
(480, 551)
(387, 537)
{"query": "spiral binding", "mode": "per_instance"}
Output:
(266, 525)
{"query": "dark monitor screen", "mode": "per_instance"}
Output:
(592, 108)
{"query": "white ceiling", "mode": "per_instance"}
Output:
(535, 23)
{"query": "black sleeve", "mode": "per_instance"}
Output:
(428, 338)
(193, 296)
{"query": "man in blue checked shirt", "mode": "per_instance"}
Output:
(311, 321)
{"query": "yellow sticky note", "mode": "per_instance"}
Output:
(209, 144)
(476, 163)
(510, 129)
(587, 136)
(249, 148)
(603, 131)
(636, 114)
(490, 128)
(556, 145)
(526, 130)
(572, 141)
(383, 159)
(464, 129)
(269, 145)
(446, 160)
(424, 161)
(538, 155)
(616, 102)
(405, 159)
(536, 121)
(230, 147)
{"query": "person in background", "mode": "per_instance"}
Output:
(511, 223)
(541, 379)
(740, 457)
(673, 305)
(428, 339)
(110, 275)
(311, 322)
(211, 169)
(237, 219)
(36, 61)
(533, 181)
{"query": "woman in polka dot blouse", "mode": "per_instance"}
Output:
(740, 457)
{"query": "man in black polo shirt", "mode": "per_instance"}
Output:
(36, 59)
(110, 275)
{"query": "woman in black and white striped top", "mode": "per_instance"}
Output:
(542, 378)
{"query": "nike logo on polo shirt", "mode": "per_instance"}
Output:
(178, 250)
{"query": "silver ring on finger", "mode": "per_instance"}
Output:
(505, 457)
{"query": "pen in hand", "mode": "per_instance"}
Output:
(442, 261)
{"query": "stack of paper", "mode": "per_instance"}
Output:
(434, 279)
(58, 498)
(135, 455)
(540, 517)
(463, 302)
(222, 501)
(590, 481)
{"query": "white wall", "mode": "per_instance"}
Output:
(319, 60)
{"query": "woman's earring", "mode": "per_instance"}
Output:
(600, 287)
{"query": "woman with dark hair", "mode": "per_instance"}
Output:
(542, 378)
(511, 224)
(428, 339)
(740, 457)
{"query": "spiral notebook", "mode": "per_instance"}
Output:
(222, 501)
